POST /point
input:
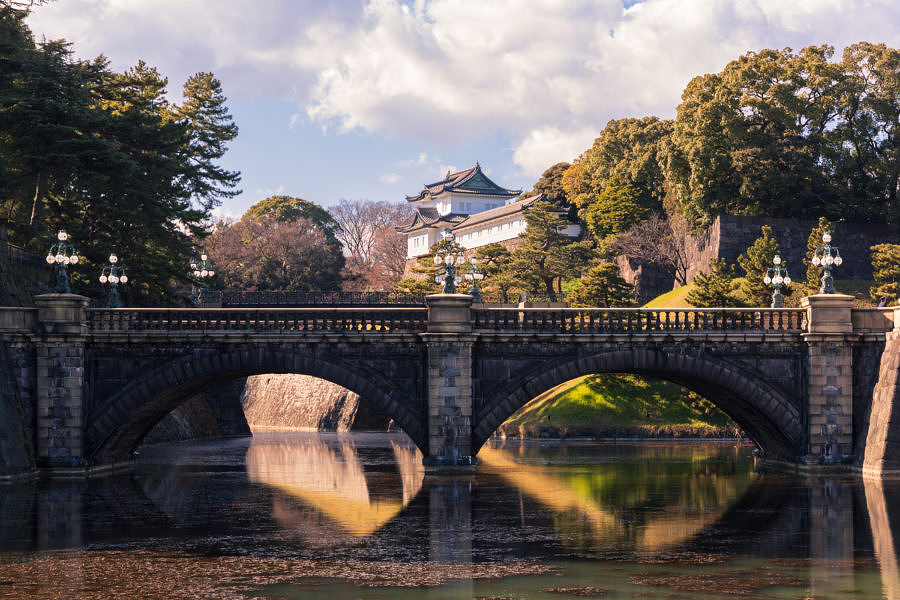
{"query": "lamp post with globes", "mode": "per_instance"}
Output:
(777, 276)
(825, 257)
(202, 271)
(112, 275)
(474, 275)
(449, 258)
(62, 254)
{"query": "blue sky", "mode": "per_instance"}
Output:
(374, 98)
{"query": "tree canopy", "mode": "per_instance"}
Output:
(109, 158)
(776, 133)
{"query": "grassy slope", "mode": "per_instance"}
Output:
(620, 404)
(674, 299)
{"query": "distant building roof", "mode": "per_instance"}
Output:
(429, 217)
(470, 181)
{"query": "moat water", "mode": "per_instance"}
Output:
(328, 516)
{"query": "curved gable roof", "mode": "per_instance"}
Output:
(470, 181)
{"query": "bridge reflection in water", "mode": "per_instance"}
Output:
(330, 478)
(365, 500)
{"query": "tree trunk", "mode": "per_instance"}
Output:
(36, 205)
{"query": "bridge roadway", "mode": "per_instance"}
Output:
(814, 387)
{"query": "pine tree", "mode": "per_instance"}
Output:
(814, 273)
(755, 262)
(602, 286)
(886, 271)
(547, 257)
(210, 127)
(713, 288)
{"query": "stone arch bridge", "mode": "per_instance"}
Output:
(814, 387)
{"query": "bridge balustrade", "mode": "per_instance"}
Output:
(272, 320)
(611, 320)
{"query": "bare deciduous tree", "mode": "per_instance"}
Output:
(658, 241)
(388, 258)
(372, 246)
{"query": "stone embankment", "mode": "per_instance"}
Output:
(304, 403)
(215, 413)
(268, 403)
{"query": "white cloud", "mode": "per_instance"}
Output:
(547, 146)
(546, 75)
(444, 169)
(262, 194)
(389, 178)
(415, 162)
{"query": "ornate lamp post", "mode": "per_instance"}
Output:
(113, 275)
(825, 257)
(474, 275)
(448, 260)
(202, 271)
(778, 276)
(62, 255)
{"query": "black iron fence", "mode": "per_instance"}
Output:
(235, 299)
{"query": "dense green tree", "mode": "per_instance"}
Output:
(105, 156)
(886, 271)
(617, 207)
(787, 134)
(551, 185)
(602, 286)
(714, 287)
(750, 140)
(289, 208)
(211, 127)
(547, 256)
(494, 260)
(755, 262)
(814, 273)
(626, 157)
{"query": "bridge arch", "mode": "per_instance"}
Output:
(762, 410)
(123, 419)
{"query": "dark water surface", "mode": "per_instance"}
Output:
(354, 516)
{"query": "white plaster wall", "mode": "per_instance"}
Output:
(492, 232)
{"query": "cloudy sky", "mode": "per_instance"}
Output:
(372, 99)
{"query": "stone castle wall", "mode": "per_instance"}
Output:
(303, 403)
(730, 235)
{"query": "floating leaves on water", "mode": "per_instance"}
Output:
(136, 575)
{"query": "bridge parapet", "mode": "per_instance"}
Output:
(614, 320)
(18, 320)
(382, 319)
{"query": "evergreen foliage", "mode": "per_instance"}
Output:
(602, 286)
(886, 271)
(714, 287)
(107, 157)
(624, 165)
(814, 273)
(547, 257)
(755, 262)
(493, 260)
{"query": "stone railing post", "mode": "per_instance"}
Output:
(449, 380)
(60, 342)
(829, 407)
